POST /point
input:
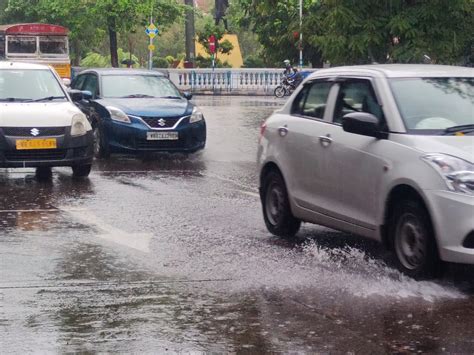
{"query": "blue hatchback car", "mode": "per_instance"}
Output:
(133, 111)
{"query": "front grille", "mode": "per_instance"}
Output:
(39, 131)
(35, 155)
(161, 122)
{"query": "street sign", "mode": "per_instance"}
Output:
(151, 47)
(212, 44)
(151, 31)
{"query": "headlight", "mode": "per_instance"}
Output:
(196, 116)
(457, 173)
(79, 125)
(118, 115)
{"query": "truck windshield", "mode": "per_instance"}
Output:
(432, 105)
(21, 45)
(53, 45)
(20, 85)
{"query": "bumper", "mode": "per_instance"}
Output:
(70, 151)
(132, 138)
(453, 218)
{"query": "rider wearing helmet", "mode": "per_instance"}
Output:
(288, 67)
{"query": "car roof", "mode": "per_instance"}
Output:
(22, 65)
(398, 71)
(122, 71)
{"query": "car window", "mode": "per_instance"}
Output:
(356, 96)
(91, 84)
(133, 85)
(311, 101)
(78, 82)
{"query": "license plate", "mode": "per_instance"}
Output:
(25, 144)
(162, 136)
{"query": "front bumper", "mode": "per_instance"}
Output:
(132, 138)
(453, 218)
(70, 151)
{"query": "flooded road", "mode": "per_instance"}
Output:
(171, 254)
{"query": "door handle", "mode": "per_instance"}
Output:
(325, 141)
(283, 131)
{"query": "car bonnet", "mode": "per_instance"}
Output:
(37, 114)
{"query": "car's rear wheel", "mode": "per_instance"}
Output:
(101, 147)
(413, 240)
(279, 91)
(276, 207)
(81, 171)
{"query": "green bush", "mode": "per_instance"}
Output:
(160, 62)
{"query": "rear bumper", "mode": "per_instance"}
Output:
(70, 151)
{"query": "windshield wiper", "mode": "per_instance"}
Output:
(14, 99)
(136, 96)
(465, 128)
(170, 97)
(49, 98)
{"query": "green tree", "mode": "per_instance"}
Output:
(222, 47)
(364, 31)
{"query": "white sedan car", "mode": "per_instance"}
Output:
(382, 151)
(39, 124)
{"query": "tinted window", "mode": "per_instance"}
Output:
(78, 82)
(90, 84)
(356, 96)
(311, 101)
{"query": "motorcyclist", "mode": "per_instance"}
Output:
(288, 67)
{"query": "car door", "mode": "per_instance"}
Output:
(88, 82)
(357, 165)
(306, 161)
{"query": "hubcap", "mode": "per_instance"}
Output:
(274, 203)
(410, 242)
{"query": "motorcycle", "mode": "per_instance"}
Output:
(286, 87)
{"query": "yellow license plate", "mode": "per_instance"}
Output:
(24, 144)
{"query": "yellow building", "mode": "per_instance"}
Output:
(234, 58)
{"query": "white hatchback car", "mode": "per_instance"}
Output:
(39, 124)
(382, 151)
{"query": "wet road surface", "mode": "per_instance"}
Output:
(171, 254)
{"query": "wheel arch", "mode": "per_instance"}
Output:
(398, 193)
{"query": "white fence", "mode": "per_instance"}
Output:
(227, 81)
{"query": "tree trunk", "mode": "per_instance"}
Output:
(113, 43)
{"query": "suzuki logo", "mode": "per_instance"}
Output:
(35, 132)
(162, 122)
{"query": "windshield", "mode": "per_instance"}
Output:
(431, 105)
(27, 85)
(53, 45)
(21, 45)
(138, 86)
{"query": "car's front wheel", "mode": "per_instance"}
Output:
(413, 240)
(81, 171)
(101, 147)
(276, 207)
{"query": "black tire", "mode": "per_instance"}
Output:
(43, 173)
(279, 91)
(81, 171)
(414, 244)
(101, 147)
(276, 207)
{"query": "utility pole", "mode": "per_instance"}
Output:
(301, 34)
(190, 33)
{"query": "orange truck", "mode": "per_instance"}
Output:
(37, 43)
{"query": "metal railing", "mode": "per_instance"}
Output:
(227, 81)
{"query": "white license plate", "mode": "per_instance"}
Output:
(162, 136)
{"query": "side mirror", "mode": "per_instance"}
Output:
(66, 82)
(362, 123)
(187, 95)
(78, 95)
